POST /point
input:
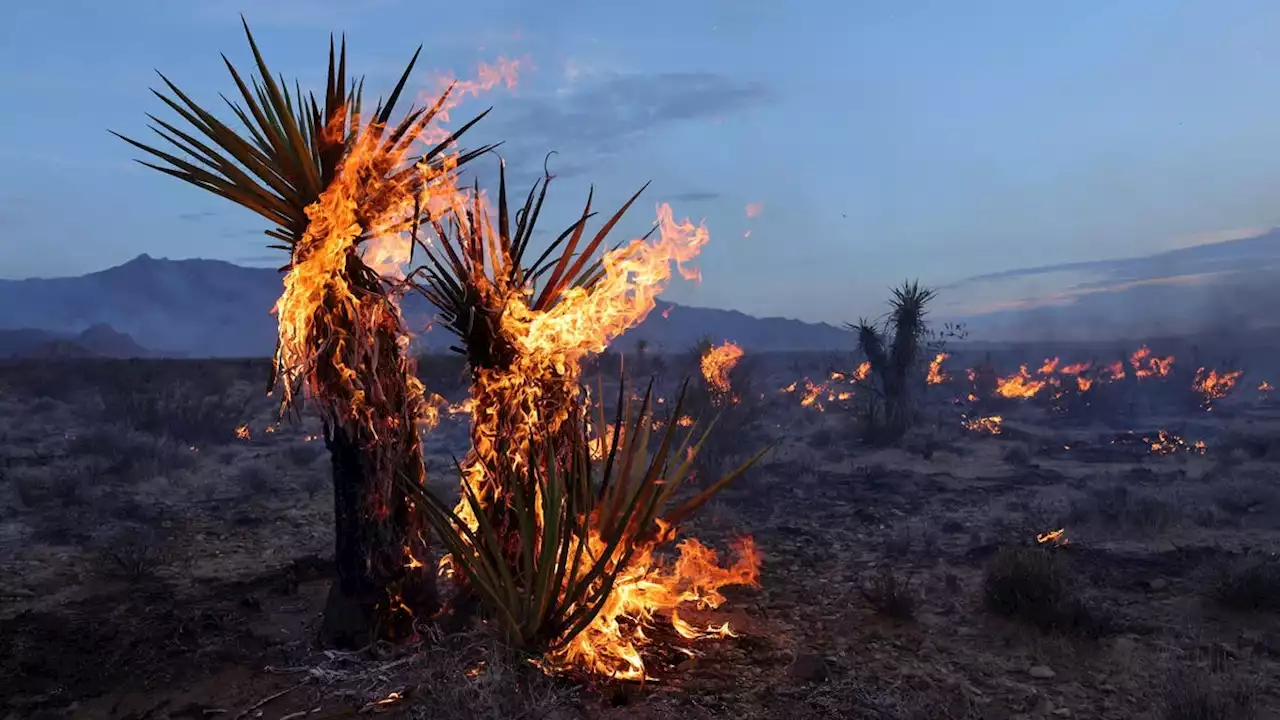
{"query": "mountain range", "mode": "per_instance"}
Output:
(212, 308)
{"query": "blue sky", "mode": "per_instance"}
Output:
(933, 138)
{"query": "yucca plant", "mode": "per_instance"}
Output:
(583, 512)
(475, 267)
(289, 151)
(894, 352)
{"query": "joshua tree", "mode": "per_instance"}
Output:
(301, 163)
(895, 354)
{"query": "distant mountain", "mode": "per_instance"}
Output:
(96, 341)
(1224, 287)
(211, 308)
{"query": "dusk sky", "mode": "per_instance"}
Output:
(937, 139)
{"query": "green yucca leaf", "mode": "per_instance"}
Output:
(288, 149)
(550, 588)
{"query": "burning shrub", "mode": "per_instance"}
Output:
(1250, 584)
(727, 393)
(1194, 693)
(889, 595)
(587, 533)
(1032, 583)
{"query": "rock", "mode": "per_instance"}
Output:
(809, 668)
(1157, 584)
(1041, 672)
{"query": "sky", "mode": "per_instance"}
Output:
(929, 139)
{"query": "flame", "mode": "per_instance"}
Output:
(991, 424)
(242, 432)
(1212, 385)
(1020, 385)
(526, 402)
(717, 363)
(1048, 367)
(1145, 365)
(1057, 537)
(1167, 442)
(754, 209)
(936, 376)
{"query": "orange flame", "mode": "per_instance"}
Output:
(717, 363)
(990, 425)
(936, 376)
(1212, 385)
(1057, 537)
(1020, 385)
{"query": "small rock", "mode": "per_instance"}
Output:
(1157, 584)
(1041, 672)
(810, 668)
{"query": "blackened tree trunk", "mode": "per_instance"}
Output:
(378, 588)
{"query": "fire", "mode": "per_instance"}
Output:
(1021, 385)
(717, 363)
(242, 432)
(991, 424)
(1212, 385)
(525, 401)
(649, 588)
(1048, 367)
(936, 376)
(1145, 365)
(1166, 443)
(1264, 390)
(1113, 371)
(754, 209)
(1057, 537)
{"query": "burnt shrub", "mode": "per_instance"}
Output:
(890, 595)
(196, 410)
(1194, 693)
(1252, 583)
(135, 555)
(1034, 584)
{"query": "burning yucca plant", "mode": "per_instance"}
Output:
(584, 582)
(896, 356)
(330, 178)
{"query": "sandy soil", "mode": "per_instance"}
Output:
(154, 565)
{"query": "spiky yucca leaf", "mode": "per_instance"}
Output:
(291, 146)
(906, 317)
(475, 267)
(555, 584)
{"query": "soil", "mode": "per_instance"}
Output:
(155, 565)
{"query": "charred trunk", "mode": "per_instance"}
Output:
(377, 592)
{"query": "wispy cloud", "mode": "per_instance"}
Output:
(597, 118)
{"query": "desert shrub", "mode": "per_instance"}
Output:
(1017, 455)
(1193, 693)
(115, 453)
(1118, 505)
(253, 478)
(191, 412)
(1032, 584)
(737, 413)
(1240, 496)
(890, 595)
(1252, 583)
(304, 454)
(886, 407)
(313, 483)
(134, 555)
(32, 491)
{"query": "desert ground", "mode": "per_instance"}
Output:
(165, 548)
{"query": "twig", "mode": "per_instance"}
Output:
(269, 698)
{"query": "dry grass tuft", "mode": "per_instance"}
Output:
(890, 595)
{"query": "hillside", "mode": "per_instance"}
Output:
(211, 308)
